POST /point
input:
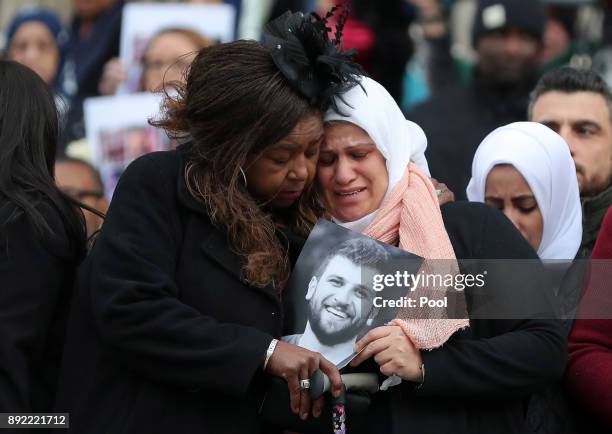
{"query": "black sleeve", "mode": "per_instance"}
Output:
(31, 279)
(507, 357)
(134, 298)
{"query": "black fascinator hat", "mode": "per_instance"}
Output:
(312, 62)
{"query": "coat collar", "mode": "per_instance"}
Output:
(215, 244)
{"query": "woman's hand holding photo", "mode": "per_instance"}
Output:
(392, 350)
(295, 364)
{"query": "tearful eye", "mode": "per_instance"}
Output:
(326, 159)
(359, 155)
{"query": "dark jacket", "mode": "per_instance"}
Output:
(589, 372)
(164, 337)
(481, 379)
(36, 277)
(457, 119)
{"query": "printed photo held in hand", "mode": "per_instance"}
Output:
(335, 294)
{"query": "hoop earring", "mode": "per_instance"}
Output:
(243, 177)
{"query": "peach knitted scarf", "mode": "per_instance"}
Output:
(410, 216)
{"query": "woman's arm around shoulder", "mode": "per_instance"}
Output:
(509, 356)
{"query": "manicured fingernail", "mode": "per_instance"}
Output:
(304, 416)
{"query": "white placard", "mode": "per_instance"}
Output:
(118, 132)
(141, 21)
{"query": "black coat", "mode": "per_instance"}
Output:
(164, 337)
(36, 277)
(480, 381)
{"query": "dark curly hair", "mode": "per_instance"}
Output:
(236, 103)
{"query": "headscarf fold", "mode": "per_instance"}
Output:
(544, 160)
(409, 215)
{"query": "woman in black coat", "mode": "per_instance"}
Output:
(42, 240)
(178, 305)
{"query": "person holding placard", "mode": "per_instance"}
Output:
(459, 375)
(176, 317)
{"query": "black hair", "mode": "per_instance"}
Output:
(570, 80)
(29, 135)
(360, 251)
(95, 174)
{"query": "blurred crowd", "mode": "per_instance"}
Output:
(424, 52)
(460, 69)
(420, 50)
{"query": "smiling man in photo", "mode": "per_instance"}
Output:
(340, 299)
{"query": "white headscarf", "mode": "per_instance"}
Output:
(544, 160)
(400, 141)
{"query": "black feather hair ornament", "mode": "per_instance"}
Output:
(314, 64)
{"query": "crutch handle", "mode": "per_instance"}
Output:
(357, 382)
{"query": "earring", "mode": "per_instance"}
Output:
(243, 177)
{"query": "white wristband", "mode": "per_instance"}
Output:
(269, 352)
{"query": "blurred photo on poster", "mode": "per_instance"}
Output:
(118, 132)
(141, 21)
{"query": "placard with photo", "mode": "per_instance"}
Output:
(118, 132)
(336, 293)
(141, 21)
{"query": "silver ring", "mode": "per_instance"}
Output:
(439, 191)
(304, 384)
